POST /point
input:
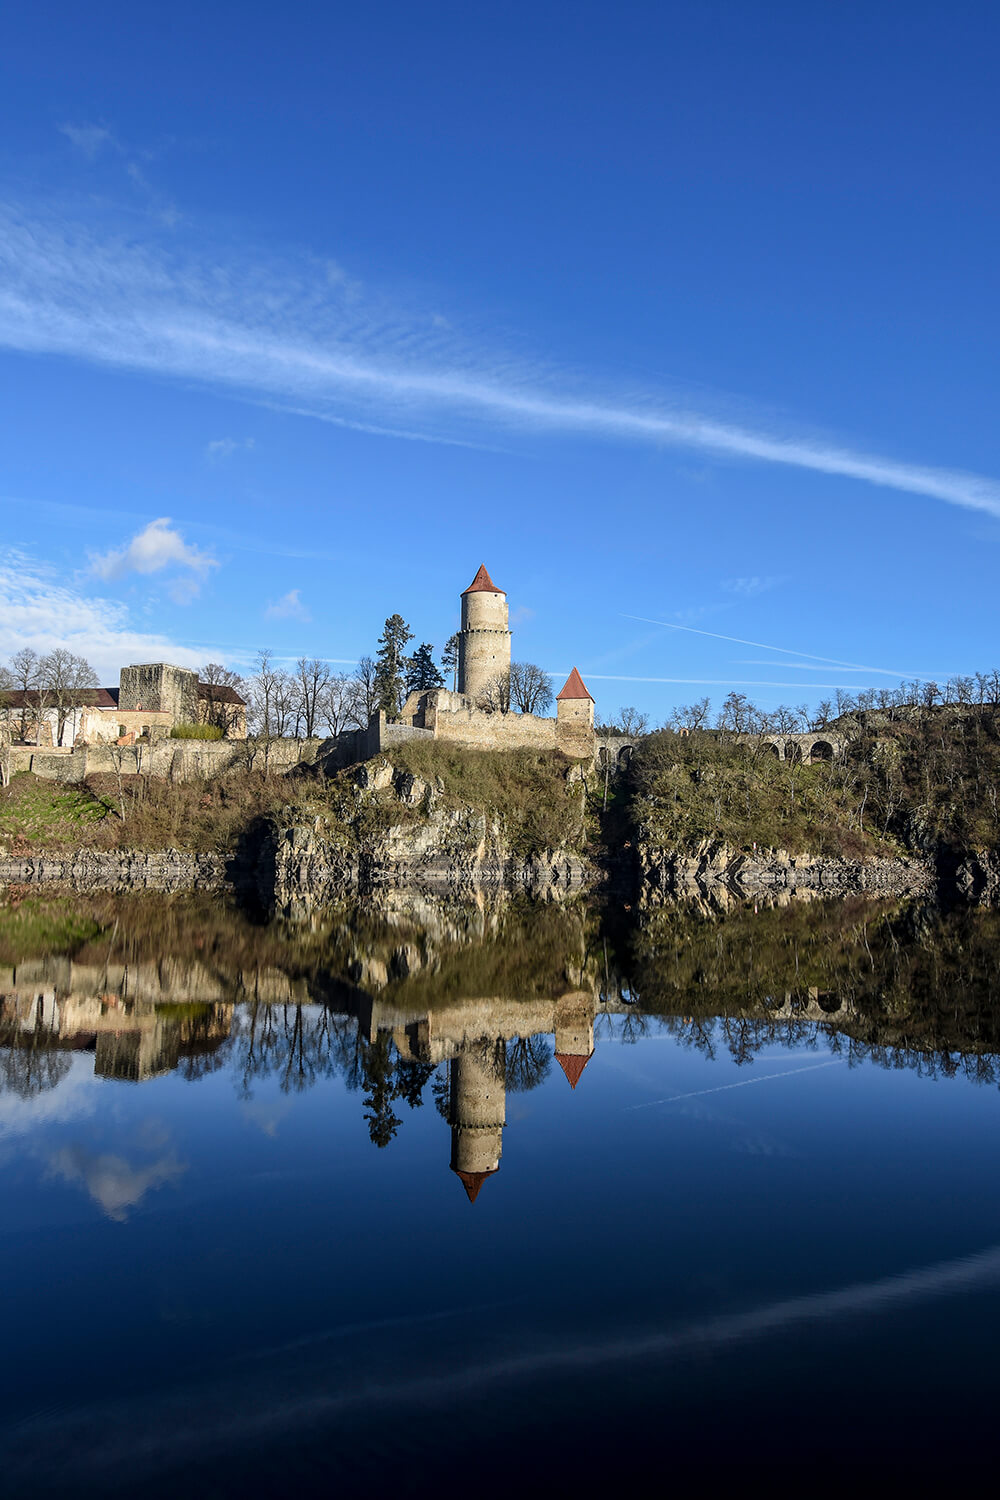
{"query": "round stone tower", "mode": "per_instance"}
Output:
(477, 1113)
(484, 641)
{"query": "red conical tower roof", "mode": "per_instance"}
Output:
(483, 583)
(473, 1181)
(573, 1065)
(574, 688)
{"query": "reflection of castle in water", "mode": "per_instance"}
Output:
(54, 1003)
(385, 1003)
(471, 1038)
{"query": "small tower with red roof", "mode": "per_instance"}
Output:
(484, 640)
(575, 715)
(574, 1034)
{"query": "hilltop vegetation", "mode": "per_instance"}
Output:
(925, 783)
(526, 793)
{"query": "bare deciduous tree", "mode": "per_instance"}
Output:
(312, 678)
(338, 707)
(67, 680)
(530, 688)
(368, 691)
(217, 683)
(495, 696)
(691, 716)
(24, 679)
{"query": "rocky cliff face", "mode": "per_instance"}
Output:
(402, 832)
(713, 864)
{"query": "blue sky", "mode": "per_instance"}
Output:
(668, 313)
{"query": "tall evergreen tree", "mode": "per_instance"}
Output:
(390, 671)
(422, 670)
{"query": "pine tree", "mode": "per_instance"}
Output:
(421, 670)
(390, 671)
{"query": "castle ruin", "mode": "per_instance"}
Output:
(470, 716)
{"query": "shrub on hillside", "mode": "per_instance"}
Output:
(196, 732)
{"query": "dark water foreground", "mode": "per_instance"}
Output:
(504, 1200)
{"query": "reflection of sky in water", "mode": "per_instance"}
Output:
(241, 1290)
(114, 1183)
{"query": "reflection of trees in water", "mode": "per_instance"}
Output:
(388, 1077)
(629, 1027)
(904, 986)
(29, 1063)
(526, 1063)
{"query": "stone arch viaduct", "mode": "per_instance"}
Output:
(614, 751)
(820, 745)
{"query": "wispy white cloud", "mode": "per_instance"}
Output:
(90, 140)
(749, 588)
(288, 607)
(38, 609)
(160, 206)
(225, 447)
(288, 334)
(152, 550)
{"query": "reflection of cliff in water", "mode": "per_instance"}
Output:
(460, 1005)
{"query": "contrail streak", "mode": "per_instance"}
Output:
(712, 681)
(169, 1429)
(738, 640)
(743, 1084)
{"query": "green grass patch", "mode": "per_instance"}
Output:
(35, 813)
(196, 732)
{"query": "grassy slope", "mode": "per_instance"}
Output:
(528, 791)
(199, 816)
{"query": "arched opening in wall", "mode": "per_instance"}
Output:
(624, 757)
(604, 757)
(821, 750)
(771, 749)
(828, 1003)
(793, 751)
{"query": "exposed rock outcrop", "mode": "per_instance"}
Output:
(402, 833)
(666, 872)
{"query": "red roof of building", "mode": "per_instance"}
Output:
(573, 1066)
(215, 692)
(473, 1181)
(574, 688)
(79, 698)
(483, 583)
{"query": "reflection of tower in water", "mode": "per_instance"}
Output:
(574, 1034)
(477, 1111)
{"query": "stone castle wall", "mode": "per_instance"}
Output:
(160, 688)
(172, 760)
(471, 726)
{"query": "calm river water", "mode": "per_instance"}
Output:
(506, 1201)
